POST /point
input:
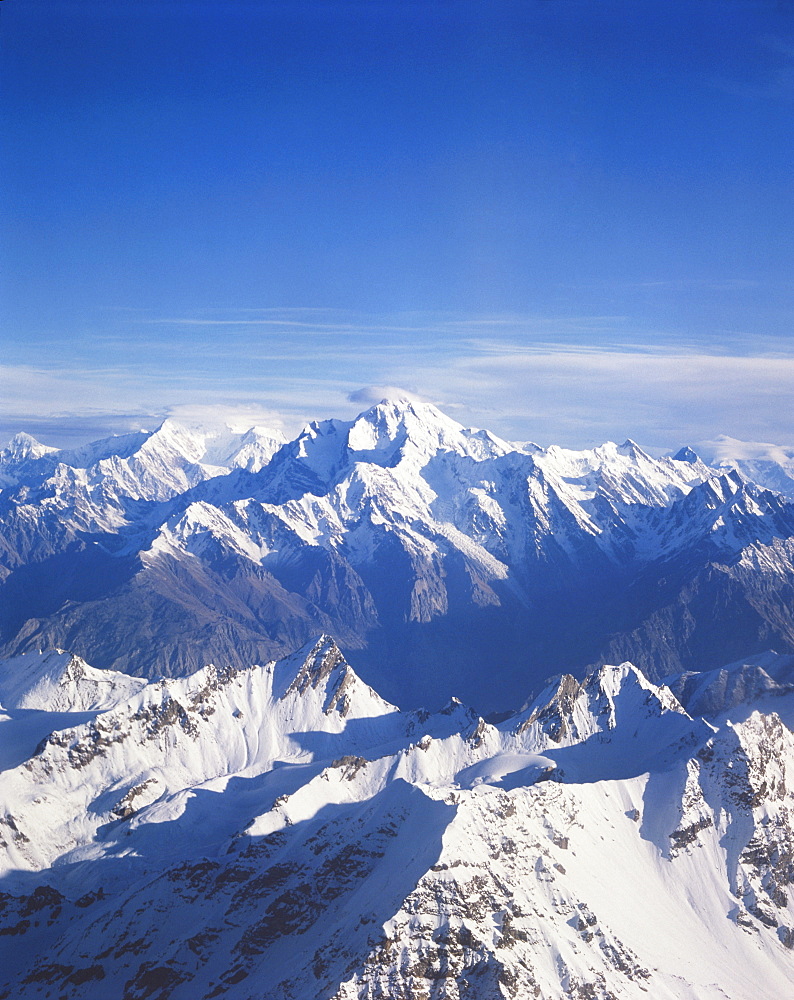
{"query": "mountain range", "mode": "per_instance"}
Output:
(395, 709)
(425, 548)
(283, 831)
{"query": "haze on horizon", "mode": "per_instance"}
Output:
(563, 221)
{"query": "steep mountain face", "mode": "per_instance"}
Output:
(426, 548)
(283, 831)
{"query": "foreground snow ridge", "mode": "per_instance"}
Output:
(282, 831)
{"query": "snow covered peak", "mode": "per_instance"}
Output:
(250, 450)
(319, 673)
(527, 447)
(57, 681)
(20, 452)
(570, 711)
(406, 429)
(615, 682)
(148, 465)
(394, 433)
(175, 440)
(631, 449)
(118, 446)
(316, 660)
(217, 447)
(601, 485)
(24, 446)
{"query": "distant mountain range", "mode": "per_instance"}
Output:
(444, 560)
(282, 831)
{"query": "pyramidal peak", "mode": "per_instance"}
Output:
(686, 454)
(24, 446)
(318, 659)
(632, 450)
(408, 429)
(319, 671)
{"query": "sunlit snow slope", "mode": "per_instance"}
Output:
(281, 831)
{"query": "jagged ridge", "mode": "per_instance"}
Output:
(425, 547)
(320, 844)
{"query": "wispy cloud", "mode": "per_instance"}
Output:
(582, 395)
(371, 395)
(728, 449)
(659, 390)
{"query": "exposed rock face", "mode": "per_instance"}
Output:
(424, 547)
(282, 831)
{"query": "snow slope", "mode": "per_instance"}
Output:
(283, 831)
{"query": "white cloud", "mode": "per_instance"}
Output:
(239, 418)
(579, 396)
(370, 395)
(662, 395)
(728, 449)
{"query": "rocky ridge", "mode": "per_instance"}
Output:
(321, 844)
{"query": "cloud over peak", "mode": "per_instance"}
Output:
(370, 395)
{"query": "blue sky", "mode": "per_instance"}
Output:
(562, 220)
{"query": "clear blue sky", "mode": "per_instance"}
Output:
(562, 220)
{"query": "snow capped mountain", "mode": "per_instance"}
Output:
(215, 814)
(20, 451)
(148, 465)
(281, 830)
(57, 681)
(398, 435)
(249, 450)
(425, 547)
